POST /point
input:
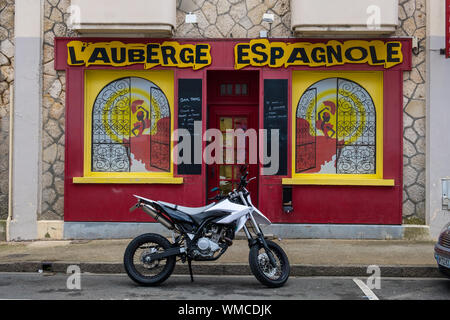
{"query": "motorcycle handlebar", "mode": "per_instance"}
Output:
(244, 182)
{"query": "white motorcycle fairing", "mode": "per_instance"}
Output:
(227, 205)
(239, 212)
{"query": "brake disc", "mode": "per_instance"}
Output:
(264, 262)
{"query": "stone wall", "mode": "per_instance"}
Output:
(231, 19)
(412, 19)
(53, 107)
(6, 83)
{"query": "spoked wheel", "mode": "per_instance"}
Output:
(263, 270)
(138, 265)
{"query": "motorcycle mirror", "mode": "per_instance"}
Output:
(243, 168)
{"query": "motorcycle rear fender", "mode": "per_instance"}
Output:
(145, 200)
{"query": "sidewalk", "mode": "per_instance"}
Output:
(396, 258)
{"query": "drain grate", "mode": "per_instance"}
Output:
(47, 267)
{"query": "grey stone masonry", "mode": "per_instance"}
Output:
(56, 15)
(412, 21)
(233, 18)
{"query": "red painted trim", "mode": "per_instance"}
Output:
(260, 117)
(251, 112)
(175, 113)
(287, 75)
(312, 204)
(199, 180)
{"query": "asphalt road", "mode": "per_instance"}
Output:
(46, 286)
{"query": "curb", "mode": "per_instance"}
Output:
(406, 271)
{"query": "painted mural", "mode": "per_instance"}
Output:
(131, 127)
(335, 129)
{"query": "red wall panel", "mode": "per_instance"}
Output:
(312, 204)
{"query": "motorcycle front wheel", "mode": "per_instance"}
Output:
(263, 270)
(137, 264)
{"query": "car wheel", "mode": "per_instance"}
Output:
(445, 271)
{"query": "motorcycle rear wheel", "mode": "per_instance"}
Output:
(148, 273)
(263, 270)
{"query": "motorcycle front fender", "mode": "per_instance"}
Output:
(259, 217)
(242, 220)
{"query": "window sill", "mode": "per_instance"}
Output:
(129, 180)
(339, 182)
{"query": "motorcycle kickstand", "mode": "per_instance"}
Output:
(190, 269)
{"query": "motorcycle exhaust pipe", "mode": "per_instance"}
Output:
(158, 217)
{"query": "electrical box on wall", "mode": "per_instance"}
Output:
(287, 199)
(445, 194)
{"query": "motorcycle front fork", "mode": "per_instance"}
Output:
(259, 239)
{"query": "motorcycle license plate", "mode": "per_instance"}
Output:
(445, 262)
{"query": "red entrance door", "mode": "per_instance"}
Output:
(226, 175)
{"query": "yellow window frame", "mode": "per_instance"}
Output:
(95, 81)
(372, 81)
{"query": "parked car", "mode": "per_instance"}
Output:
(442, 251)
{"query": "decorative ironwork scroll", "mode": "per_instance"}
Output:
(356, 129)
(335, 129)
(110, 125)
(131, 127)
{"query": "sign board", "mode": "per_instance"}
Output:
(261, 52)
(119, 54)
(276, 117)
(189, 111)
(255, 53)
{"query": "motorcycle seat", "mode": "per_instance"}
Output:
(188, 210)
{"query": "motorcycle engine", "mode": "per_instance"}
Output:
(208, 245)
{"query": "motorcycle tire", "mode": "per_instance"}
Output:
(133, 270)
(263, 270)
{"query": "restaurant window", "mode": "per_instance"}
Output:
(128, 123)
(233, 89)
(338, 124)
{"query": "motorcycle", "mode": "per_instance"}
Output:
(204, 234)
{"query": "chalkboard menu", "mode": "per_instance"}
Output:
(189, 110)
(276, 117)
